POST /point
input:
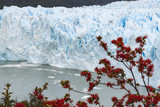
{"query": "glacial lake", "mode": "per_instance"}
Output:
(25, 77)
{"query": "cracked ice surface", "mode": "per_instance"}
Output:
(65, 37)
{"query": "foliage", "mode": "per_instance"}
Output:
(133, 61)
(37, 97)
(6, 98)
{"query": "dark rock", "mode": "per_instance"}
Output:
(54, 3)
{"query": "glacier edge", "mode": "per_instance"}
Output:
(67, 37)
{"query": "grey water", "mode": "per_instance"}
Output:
(25, 77)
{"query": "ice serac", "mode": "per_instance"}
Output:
(67, 37)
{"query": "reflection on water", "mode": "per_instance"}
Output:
(25, 77)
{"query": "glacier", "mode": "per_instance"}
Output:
(66, 37)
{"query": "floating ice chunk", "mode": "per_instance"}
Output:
(85, 90)
(61, 72)
(51, 77)
(98, 88)
(77, 74)
(8, 66)
(85, 97)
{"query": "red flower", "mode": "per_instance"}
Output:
(35, 93)
(145, 37)
(120, 39)
(81, 104)
(139, 106)
(57, 103)
(148, 61)
(91, 86)
(19, 105)
(93, 99)
(138, 39)
(109, 84)
(114, 41)
(130, 79)
(65, 84)
(40, 97)
(87, 74)
(114, 99)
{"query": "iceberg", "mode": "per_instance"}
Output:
(66, 37)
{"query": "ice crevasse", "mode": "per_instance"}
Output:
(66, 37)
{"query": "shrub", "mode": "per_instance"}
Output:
(133, 61)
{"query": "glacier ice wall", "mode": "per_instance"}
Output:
(67, 37)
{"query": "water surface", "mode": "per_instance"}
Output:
(25, 77)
